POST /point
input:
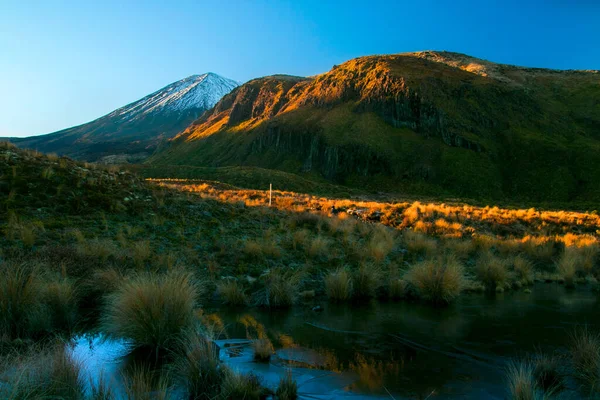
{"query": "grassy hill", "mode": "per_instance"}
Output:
(431, 123)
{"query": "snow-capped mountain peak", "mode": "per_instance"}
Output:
(194, 92)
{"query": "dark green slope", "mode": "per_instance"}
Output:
(429, 123)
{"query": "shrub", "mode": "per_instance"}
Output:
(491, 271)
(585, 357)
(232, 293)
(288, 388)
(152, 310)
(338, 285)
(198, 368)
(239, 386)
(438, 281)
(263, 348)
(282, 288)
(365, 281)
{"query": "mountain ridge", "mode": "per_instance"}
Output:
(427, 122)
(134, 131)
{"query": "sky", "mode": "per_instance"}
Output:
(64, 63)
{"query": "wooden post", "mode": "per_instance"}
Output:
(270, 193)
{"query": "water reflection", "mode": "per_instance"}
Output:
(379, 350)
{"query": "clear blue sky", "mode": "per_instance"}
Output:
(64, 63)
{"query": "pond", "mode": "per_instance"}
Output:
(389, 350)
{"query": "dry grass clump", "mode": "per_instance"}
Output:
(142, 383)
(585, 358)
(380, 244)
(418, 243)
(263, 349)
(546, 371)
(523, 269)
(232, 293)
(45, 374)
(568, 264)
(521, 382)
(539, 249)
(282, 288)
(198, 369)
(461, 248)
(141, 252)
(61, 301)
(319, 247)
(287, 388)
(237, 386)
(21, 301)
(397, 289)
(152, 310)
(437, 280)
(338, 285)
(492, 271)
(366, 280)
(100, 249)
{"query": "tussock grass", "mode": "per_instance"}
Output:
(282, 288)
(521, 382)
(366, 280)
(492, 271)
(232, 293)
(397, 289)
(100, 249)
(338, 285)
(585, 358)
(142, 383)
(21, 301)
(198, 369)
(437, 280)
(418, 243)
(546, 371)
(45, 374)
(238, 386)
(152, 310)
(523, 269)
(319, 247)
(287, 388)
(263, 349)
(568, 265)
(61, 301)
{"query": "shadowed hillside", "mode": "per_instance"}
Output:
(432, 123)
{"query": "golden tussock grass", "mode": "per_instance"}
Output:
(338, 285)
(152, 310)
(492, 271)
(263, 349)
(232, 293)
(437, 280)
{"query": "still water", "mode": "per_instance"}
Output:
(389, 350)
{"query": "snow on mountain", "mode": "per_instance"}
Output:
(194, 92)
(133, 132)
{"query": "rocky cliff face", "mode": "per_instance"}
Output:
(444, 121)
